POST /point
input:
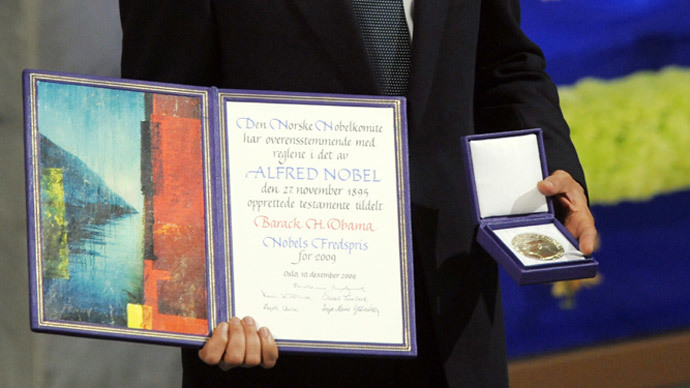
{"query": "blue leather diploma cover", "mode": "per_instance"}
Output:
(156, 211)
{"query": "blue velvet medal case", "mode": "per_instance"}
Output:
(516, 223)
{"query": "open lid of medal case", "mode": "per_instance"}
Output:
(503, 170)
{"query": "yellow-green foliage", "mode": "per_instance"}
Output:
(632, 134)
(54, 225)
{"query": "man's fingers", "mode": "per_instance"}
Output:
(547, 187)
(572, 204)
(588, 241)
(239, 343)
(213, 350)
(568, 191)
(559, 182)
(235, 348)
(269, 349)
(252, 355)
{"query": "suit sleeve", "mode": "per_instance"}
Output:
(512, 88)
(169, 41)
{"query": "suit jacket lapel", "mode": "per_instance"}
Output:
(334, 25)
(429, 24)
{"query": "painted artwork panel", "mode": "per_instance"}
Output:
(121, 208)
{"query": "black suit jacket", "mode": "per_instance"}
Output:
(473, 70)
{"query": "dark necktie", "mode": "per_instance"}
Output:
(387, 42)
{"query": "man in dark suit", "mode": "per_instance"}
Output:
(472, 71)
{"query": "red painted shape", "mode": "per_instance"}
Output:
(175, 283)
(167, 322)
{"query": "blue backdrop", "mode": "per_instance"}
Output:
(645, 245)
(608, 38)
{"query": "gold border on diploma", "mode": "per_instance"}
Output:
(396, 104)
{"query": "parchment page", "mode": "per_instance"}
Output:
(315, 210)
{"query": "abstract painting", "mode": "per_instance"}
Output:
(122, 220)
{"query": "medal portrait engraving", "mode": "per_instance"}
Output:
(538, 246)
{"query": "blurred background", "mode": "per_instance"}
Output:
(68, 36)
(623, 70)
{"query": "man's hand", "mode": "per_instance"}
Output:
(571, 203)
(239, 343)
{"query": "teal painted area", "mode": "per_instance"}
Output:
(106, 272)
(93, 135)
(101, 127)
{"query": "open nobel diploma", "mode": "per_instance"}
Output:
(517, 226)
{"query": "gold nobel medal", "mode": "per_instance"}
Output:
(538, 246)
